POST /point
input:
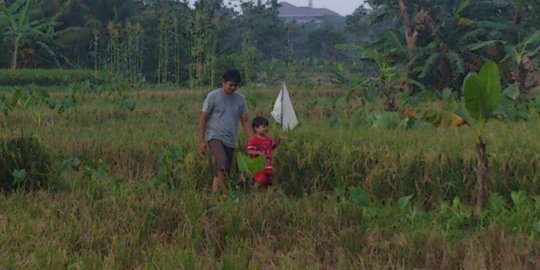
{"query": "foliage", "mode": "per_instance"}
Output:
(250, 165)
(23, 28)
(482, 92)
(24, 164)
(435, 116)
(50, 77)
(169, 161)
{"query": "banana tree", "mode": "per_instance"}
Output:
(518, 56)
(22, 27)
(389, 79)
(481, 98)
(481, 102)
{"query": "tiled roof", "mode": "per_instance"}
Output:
(287, 10)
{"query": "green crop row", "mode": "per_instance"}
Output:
(50, 77)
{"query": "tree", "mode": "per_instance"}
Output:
(321, 42)
(266, 29)
(23, 27)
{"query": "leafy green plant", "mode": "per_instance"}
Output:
(129, 103)
(404, 201)
(360, 196)
(481, 98)
(24, 164)
(385, 119)
(516, 56)
(169, 162)
(455, 214)
(250, 165)
(481, 101)
(356, 194)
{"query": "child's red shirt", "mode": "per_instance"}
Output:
(265, 145)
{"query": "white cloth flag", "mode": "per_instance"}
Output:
(283, 111)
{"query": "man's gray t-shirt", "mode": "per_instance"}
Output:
(224, 113)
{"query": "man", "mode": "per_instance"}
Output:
(223, 108)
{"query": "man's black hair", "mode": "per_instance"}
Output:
(259, 120)
(232, 75)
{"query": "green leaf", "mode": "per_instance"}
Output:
(341, 191)
(333, 121)
(19, 177)
(51, 101)
(518, 198)
(512, 92)
(446, 93)
(383, 119)
(485, 44)
(482, 92)
(461, 6)
(490, 78)
(72, 164)
(359, 196)
(68, 102)
(250, 165)
(456, 203)
(495, 203)
(435, 116)
(404, 201)
(129, 104)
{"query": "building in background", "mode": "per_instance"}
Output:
(306, 14)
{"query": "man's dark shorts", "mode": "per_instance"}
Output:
(222, 155)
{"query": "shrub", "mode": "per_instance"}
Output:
(23, 164)
(50, 77)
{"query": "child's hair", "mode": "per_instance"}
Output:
(232, 75)
(259, 120)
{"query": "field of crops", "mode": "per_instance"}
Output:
(356, 188)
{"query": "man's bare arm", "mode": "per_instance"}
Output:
(245, 124)
(203, 119)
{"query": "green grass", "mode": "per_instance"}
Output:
(117, 209)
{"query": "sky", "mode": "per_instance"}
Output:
(343, 7)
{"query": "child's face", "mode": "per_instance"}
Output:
(261, 130)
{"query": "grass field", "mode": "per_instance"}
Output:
(129, 190)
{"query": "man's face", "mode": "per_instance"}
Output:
(229, 87)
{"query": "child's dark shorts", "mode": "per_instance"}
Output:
(222, 155)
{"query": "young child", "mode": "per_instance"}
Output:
(260, 144)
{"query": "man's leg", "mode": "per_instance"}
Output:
(219, 181)
(221, 164)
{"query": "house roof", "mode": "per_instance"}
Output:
(287, 10)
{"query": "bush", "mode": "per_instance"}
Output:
(50, 77)
(23, 164)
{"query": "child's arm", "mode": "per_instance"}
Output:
(252, 149)
(254, 152)
(278, 140)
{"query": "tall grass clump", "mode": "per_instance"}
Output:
(24, 164)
